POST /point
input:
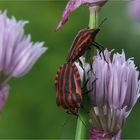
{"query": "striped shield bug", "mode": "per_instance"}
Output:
(82, 42)
(68, 88)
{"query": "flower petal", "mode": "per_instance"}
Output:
(134, 9)
(17, 52)
(115, 91)
(72, 5)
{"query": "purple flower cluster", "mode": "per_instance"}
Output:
(134, 9)
(115, 90)
(17, 52)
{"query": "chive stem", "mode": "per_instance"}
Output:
(83, 118)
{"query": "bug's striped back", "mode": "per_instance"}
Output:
(81, 43)
(68, 87)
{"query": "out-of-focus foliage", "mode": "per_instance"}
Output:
(31, 111)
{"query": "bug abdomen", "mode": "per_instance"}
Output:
(68, 87)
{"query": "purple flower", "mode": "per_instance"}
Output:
(115, 90)
(134, 9)
(17, 53)
(74, 4)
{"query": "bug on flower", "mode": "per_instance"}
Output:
(82, 42)
(68, 88)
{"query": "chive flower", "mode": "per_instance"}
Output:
(115, 88)
(72, 5)
(17, 52)
(134, 9)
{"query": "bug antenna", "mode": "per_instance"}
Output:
(102, 22)
(66, 120)
(81, 120)
(85, 84)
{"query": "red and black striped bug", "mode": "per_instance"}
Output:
(68, 88)
(82, 42)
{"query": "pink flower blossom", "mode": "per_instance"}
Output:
(115, 90)
(134, 9)
(72, 5)
(17, 52)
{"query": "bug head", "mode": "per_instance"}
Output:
(94, 32)
(73, 111)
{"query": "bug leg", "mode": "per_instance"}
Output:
(92, 87)
(81, 120)
(101, 51)
(85, 84)
(90, 71)
(87, 92)
(66, 120)
(100, 48)
(81, 64)
(103, 56)
(88, 81)
(98, 44)
(93, 83)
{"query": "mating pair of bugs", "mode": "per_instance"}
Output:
(67, 81)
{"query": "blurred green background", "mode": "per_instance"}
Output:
(31, 111)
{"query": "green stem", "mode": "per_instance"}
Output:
(93, 19)
(81, 130)
(93, 23)
(83, 118)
